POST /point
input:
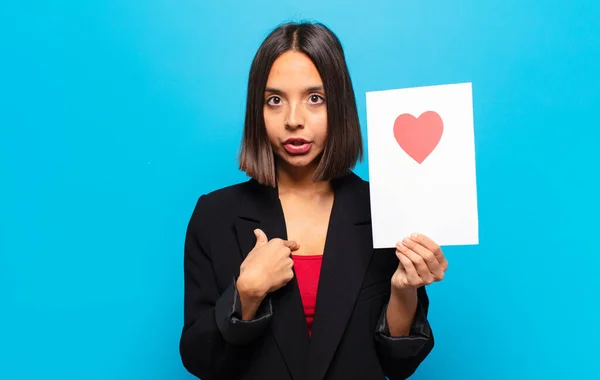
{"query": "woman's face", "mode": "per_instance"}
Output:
(294, 110)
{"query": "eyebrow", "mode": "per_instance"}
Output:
(308, 89)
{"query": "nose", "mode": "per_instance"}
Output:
(295, 117)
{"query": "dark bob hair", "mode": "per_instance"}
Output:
(343, 146)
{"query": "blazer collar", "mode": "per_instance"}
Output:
(348, 249)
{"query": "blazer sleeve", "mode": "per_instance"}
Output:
(401, 356)
(215, 342)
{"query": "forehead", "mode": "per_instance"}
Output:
(293, 69)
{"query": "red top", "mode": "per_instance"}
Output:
(308, 269)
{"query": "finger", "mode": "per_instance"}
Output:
(431, 245)
(409, 268)
(418, 263)
(291, 244)
(399, 278)
(428, 257)
(261, 238)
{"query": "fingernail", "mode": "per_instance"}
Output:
(414, 235)
(406, 240)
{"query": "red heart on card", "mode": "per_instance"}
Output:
(418, 137)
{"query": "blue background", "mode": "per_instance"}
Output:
(116, 115)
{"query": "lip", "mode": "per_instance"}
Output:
(296, 145)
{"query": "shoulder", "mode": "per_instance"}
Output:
(354, 184)
(353, 195)
(232, 193)
(221, 203)
(351, 179)
(362, 186)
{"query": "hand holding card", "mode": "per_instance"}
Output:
(422, 262)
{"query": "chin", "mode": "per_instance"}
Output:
(301, 161)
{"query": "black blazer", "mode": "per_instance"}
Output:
(350, 338)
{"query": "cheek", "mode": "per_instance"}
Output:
(320, 128)
(271, 126)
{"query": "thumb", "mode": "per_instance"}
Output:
(261, 238)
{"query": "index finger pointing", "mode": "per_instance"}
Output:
(291, 244)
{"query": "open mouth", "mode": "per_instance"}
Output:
(296, 141)
(297, 146)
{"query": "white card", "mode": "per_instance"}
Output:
(422, 164)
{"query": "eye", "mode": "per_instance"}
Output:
(274, 100)
(316, 99)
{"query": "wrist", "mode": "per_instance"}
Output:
(401, 310)
(250, 289)
(404, 295)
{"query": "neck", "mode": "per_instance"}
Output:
(300, 181)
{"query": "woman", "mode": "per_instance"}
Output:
(281, 278)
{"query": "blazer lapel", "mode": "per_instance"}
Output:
(348, 250)
(262, 209)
